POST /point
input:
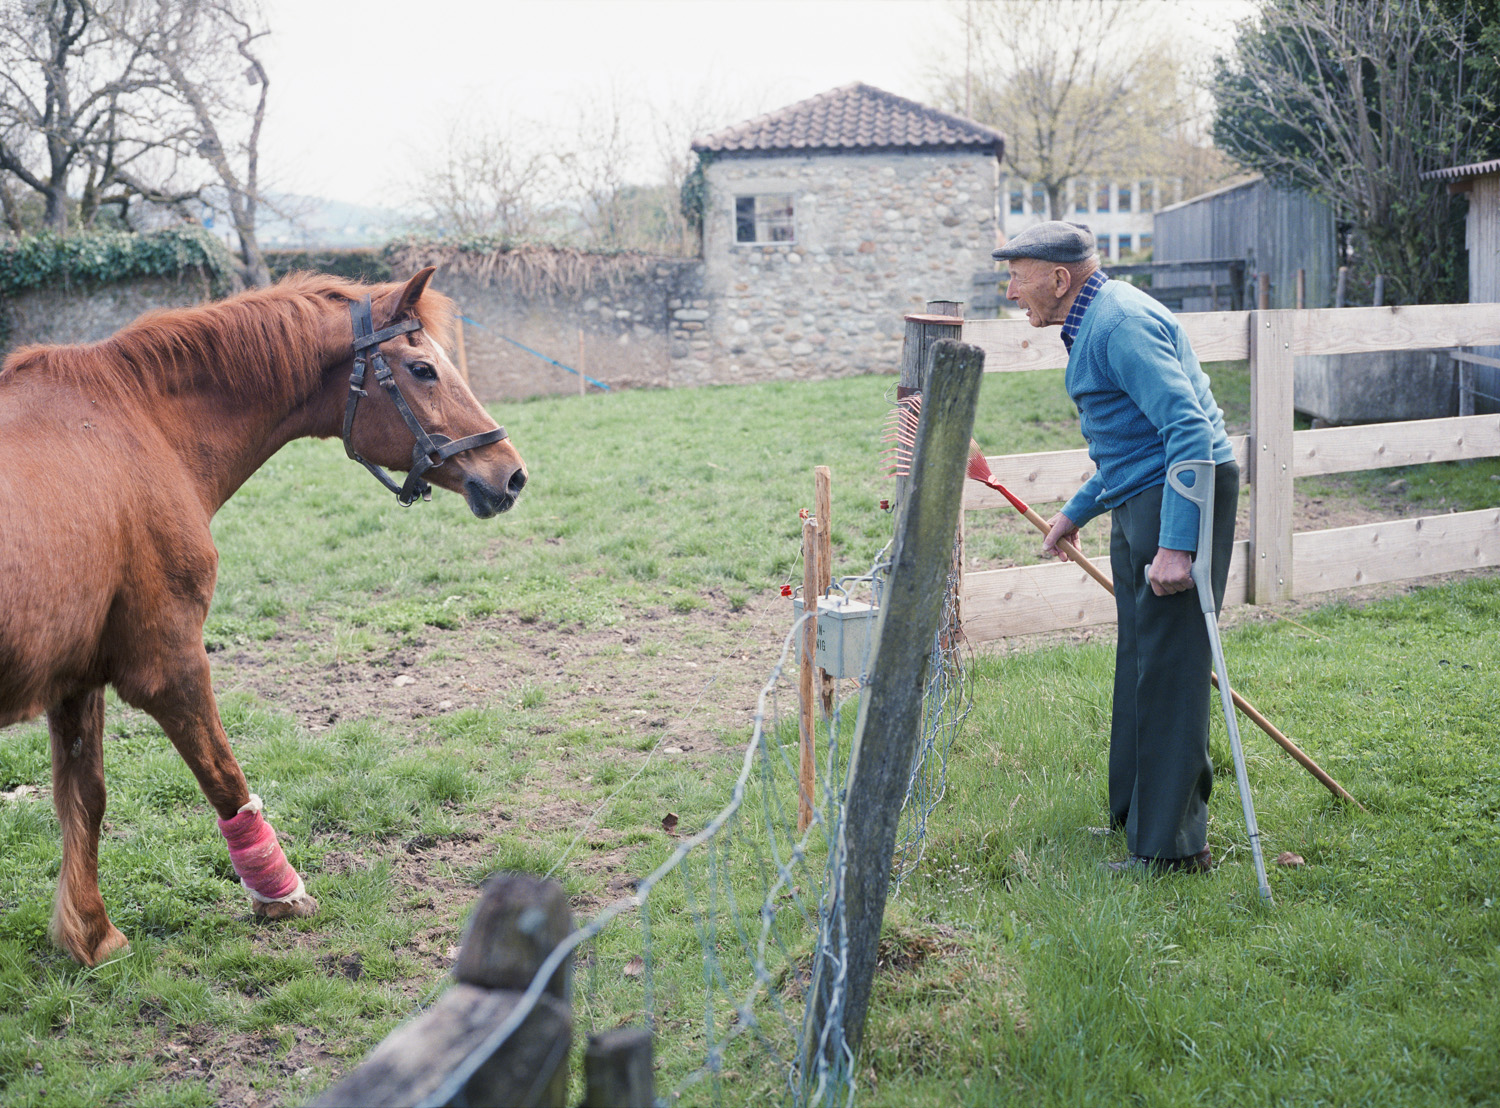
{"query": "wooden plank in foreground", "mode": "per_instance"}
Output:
(1394, 550)
(1383, 445)
(1056, 596)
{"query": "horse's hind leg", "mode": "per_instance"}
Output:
(79, 923)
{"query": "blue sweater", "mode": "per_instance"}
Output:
(1143, 403)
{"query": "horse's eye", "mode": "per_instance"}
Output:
(423, 371)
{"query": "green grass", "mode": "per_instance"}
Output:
(1025, 976)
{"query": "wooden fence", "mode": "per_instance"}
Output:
(1274, 564)
(451, 1054)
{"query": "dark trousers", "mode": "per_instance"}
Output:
(1160, 775)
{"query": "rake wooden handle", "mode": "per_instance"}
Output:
(1077, 556)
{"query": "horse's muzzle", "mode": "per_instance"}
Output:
(485, 500)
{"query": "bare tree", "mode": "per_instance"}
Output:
(72, 98)
(1077, 89)
(500, 181)
(209, 91)
(599, 166)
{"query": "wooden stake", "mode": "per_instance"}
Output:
(823, 512)
(583, 365)
(805, 673)
(1301, 289)
(1263, 291)
(458, 349)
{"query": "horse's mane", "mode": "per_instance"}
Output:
(262, 343)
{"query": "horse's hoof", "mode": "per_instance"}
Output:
(303, 906)
(114, 940)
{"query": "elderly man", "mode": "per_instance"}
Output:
(1143, 403)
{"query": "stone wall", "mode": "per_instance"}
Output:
(877, 236)
(618, 330)
(87, 315)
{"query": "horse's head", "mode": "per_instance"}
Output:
(429, 437)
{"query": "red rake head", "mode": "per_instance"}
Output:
(901, 433)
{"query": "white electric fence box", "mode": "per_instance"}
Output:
(846, 634)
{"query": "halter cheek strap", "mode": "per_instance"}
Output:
(428, 450)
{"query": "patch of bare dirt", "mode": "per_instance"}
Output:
(688, 674)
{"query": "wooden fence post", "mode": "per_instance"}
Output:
(890, 713)
(437, 1058)
(1342, 287)
(617, 1070)
(806, 721)
(1263, 292)
(1270, 571)
(823, 510)
(458, 349)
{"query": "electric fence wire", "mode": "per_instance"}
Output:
(765, 902)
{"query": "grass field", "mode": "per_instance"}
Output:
(1025, 977)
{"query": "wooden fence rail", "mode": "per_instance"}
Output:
(1275, 563)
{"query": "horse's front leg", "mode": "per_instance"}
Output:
(79, 923)
(187, 712)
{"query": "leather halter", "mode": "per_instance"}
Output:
(428, 451)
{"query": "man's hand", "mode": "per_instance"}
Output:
(1170, 571)
(1059, 528)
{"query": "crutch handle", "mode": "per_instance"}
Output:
(1201, 493)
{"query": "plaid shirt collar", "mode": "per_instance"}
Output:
(1081, 304)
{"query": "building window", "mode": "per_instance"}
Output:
(1101, 202)
(1124, 202)
(1039, 200)
(1145, 243)
(1148, 196)
(1104, 246)
(763, 218)
(1080, 198)
(1017, 198)
(1124, 244)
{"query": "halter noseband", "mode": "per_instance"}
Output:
(428, 451)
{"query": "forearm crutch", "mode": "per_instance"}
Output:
(1201, 493)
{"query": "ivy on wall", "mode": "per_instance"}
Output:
(367, 264)
(101, 257)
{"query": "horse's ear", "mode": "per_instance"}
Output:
(405, 303)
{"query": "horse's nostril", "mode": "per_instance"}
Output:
(517, 482)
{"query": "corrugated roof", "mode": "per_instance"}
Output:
(853, 117)
(1458, 172)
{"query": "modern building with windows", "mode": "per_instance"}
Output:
(1119, 211)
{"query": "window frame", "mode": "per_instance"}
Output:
(763, 219)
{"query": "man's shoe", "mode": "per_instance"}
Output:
(1201, 862)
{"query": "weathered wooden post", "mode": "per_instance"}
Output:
(444, 1056)
(806, 719)
(458, 349)
(890, 713)
(617, 1070)
(823, 510)
(1263, 291)
(1301, 289)
(1341, 289)
(1270, 571)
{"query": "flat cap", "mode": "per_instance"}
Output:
(1052, 241)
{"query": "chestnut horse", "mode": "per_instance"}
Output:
(115, 455)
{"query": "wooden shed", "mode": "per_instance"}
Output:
(1273, 231)
(1480, 182)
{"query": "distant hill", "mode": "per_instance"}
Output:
(311, 221)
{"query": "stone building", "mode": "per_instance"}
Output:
(824, 223)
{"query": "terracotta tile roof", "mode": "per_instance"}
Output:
(853, 117)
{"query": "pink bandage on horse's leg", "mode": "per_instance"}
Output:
(257, 856)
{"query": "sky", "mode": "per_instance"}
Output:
(361, 92)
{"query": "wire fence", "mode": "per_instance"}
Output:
(723, 947)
